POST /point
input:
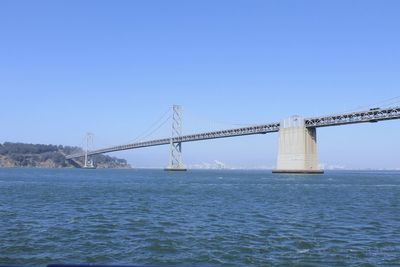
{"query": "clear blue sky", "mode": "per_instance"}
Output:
(113, 67)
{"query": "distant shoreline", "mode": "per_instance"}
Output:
(162, 169)
(22, 155)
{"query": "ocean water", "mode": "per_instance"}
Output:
(199, 218)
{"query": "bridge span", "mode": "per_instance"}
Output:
(297, 138)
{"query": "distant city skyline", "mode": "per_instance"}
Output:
(71, 67)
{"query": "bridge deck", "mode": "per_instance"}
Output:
(373, 115)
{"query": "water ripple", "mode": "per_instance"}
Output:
(219, 218)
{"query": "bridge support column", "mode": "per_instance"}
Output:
(175, 160)
(88, 163)
(297, 149)
(175, 163)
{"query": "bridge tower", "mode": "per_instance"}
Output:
(297, 148)
(88, 164)
(175, 157)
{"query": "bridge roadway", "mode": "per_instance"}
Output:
(372, 115)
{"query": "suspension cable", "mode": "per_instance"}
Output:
(155, 125)
(375, 105)
(155, 130)
(212, 123)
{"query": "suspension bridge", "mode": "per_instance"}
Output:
(297, 150)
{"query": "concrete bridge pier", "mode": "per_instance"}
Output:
(297, 148)
(175, 163)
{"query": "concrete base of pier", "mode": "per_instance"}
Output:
(298, 171)
(297, 151)
(174, 169)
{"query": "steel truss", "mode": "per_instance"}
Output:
(175, 161)
(372, 115)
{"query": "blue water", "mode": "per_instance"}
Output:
(218, 218)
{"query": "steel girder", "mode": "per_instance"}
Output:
(372, 115)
